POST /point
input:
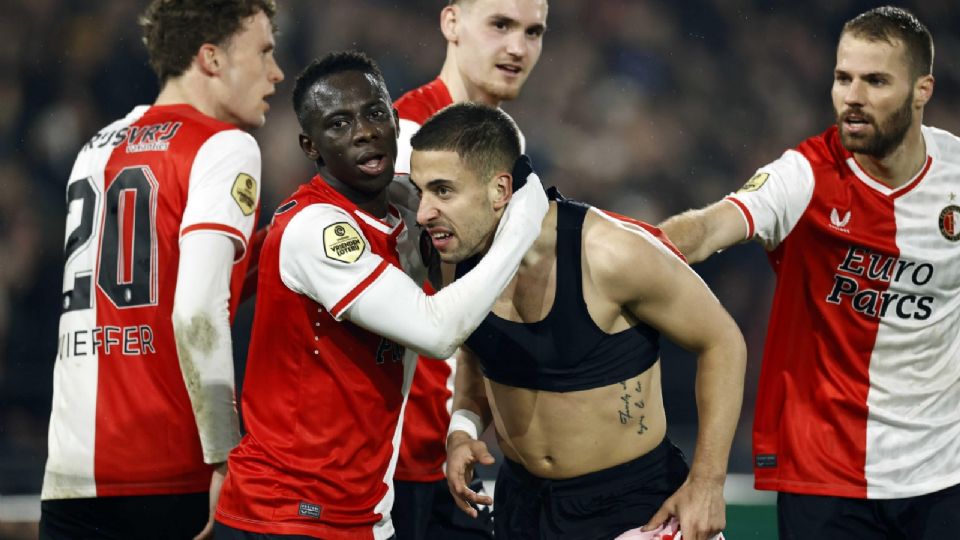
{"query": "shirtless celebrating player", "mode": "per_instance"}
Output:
(567, 363)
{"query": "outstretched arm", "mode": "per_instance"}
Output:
(653, 284)
(699, 234)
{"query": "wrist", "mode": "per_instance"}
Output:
(707, 477)
(467, 422)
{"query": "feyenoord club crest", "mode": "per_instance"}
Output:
(950, 222)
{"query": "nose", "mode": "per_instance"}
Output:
(364, 131)
(855, 93)
(426, 212)
(276, 74)
(517, 44)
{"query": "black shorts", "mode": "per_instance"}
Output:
(594, 506)
(426, 511)
(147, 517)
(925, 517)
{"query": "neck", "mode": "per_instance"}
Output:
(190, 90)
(374, 204)
(460, 89)
(902, 164)
(545, 246)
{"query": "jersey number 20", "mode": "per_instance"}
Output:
(127, 241)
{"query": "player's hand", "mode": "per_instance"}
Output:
(462, 454)
(216, 482)
(699, 507)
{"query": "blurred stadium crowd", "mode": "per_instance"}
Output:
(645, 107)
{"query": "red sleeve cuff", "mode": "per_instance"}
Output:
(746, 215)
(220, 228)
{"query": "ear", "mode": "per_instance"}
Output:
(923, 91)
(396, 121)
(209, 59)
(306, 144)
(449, 16)
(501, 189)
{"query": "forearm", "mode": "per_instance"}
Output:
(698, 234)
(201, 324)
(719, 393)
(469, 392)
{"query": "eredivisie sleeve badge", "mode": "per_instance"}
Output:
(754, 183)
(342, 242)
(244, 192)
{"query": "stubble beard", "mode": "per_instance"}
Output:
(501, 91)
(886, 138)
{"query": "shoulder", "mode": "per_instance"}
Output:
(230, 141)
(322, 224)
(308, 219)
(942, 145)
(823, 148)
(421, 103)
(611, 233)
(619, 250)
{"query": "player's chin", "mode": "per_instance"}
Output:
(253, 121)
(509, 91)
(855, 143)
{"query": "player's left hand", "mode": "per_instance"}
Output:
(216, 482)
(699, 507)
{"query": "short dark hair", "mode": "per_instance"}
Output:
(174, 30)
(484, 137)
(889, 23)
(321, 68)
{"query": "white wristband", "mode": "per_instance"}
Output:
(466, 421)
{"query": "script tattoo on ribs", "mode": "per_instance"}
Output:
(625, 412)
(641, 427)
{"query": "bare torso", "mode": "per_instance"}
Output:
(566, 434)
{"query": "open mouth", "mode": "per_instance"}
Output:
(372, 164)
(510, 69)
(441, 239)
(855, 122)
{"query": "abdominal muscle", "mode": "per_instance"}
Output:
(560, 435)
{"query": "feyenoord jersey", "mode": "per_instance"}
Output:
(122, 423)
(323, 398)
(860, 385)
(427, 416)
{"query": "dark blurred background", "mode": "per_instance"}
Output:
(646, 108)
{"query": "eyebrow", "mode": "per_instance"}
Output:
(883, 74)
(436, 182)
(344, 111)
(500, 17)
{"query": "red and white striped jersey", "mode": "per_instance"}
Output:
(323, 397)
(122, 423)
(860, 385)
(423, 447)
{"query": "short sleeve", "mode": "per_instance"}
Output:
(224, 190)
(775, 198)
(325, 255)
